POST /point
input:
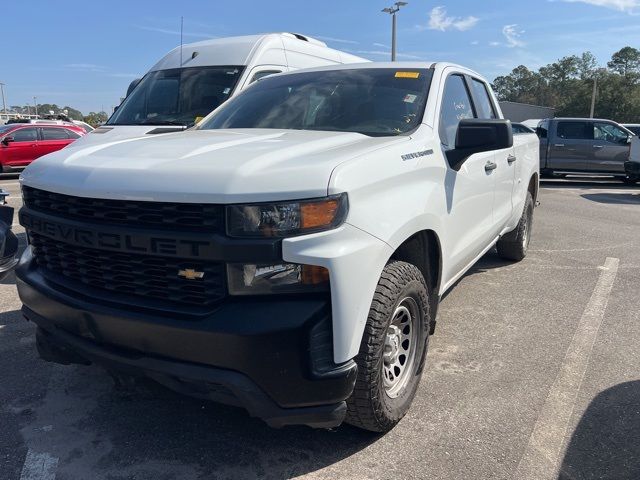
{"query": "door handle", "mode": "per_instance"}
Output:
(511, 158)
(559, 145)
(490, 166)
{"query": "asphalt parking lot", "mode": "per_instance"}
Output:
(533, 373)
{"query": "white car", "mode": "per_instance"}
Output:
(191, 81)
(288, 254)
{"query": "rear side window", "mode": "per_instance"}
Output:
(484, 104)
(54, 134)
(25, 135)
(575, 130)
(456, 106)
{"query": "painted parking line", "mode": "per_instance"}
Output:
(39, 466)
(541, 457)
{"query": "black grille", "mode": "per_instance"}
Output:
(164, 215)
(128, 274)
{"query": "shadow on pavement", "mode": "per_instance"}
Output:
(614, 198)
(606, 442)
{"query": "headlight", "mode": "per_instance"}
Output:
(286, 218)
(252, 279)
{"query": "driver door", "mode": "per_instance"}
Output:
(470, 226)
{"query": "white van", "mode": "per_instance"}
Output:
(193, 80)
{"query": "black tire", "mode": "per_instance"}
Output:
(373, 406)
(514, 245)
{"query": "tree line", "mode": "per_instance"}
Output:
(567, 85)
(93, 118)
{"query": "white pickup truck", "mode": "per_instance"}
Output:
(289, 253)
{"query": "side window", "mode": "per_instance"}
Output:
(71, 134)
(49, 133)
(575, 130)
(25, 135)
(456, 106)
(484, 104)
(263, 73)
(609, 133)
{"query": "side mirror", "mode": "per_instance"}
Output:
(8, 139)
(133, 85)
(479, 135)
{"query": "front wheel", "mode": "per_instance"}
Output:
(514, 245)
(392, 349)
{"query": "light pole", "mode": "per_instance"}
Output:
(4, 105)
(395, 8)
(35, 105)
(595, 90)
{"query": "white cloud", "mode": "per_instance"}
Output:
(125, 75)
(622, 5)
(86, 67)
(175, 32)
(382, 45)
(512, 34)
(475, 42)
(438, 20)
(495, 44)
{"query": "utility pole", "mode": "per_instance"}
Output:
(35, 105)
(4, 105)
(395, 8)
(593, 96)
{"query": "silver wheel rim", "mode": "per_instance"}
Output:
(399, 351)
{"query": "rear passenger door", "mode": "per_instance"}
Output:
(469, 192)
(610, 148)
(571, 146)
(53, 139)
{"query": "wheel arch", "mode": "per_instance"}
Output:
(534, 185)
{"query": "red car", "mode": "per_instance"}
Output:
(22, 143)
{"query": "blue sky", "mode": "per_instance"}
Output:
(84, 53)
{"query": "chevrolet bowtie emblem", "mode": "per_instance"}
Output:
(190, 274)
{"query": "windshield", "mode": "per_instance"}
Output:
(634, 129)
(371, 101)
(178, 96)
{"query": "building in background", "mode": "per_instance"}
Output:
(519, 112)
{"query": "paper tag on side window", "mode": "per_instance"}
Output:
(409, 98)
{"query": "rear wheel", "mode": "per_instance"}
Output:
(514, 245)
(392, 349)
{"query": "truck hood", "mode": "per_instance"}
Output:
(208, 166)
(114, 133)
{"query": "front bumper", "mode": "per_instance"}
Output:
(632, 169)
(271, 356)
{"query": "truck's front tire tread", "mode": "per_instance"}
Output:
(368, 407)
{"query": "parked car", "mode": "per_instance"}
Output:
(190, 82)
(289, 253)
(584, 146)
(521, 128)
(8, 240)
(21, 144)
(633, 127)
(84, 125)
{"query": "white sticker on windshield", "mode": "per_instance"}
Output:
(409, 98)
(226, 91)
